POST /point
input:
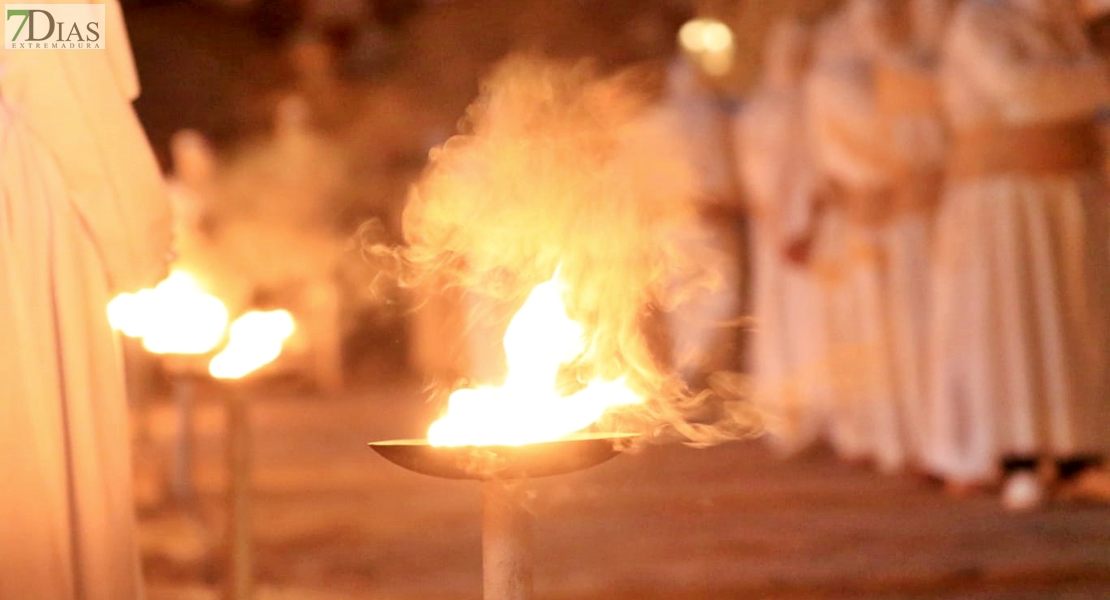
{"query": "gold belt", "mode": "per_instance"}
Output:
(918, 192)
(1038, 149)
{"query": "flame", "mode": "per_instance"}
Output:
(174, 317)
(178, 317)
(527, 408)
(256, 339)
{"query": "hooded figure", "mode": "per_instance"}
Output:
(1019, 333)
(851, 150)
(83, 215)
(778, 179)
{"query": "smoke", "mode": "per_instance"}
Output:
(557, 166)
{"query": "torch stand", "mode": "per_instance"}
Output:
(239, 580)
(506, 524)
(506, 542)
(183, 390)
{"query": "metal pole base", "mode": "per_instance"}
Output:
(183, 489)
(506, 543)
(240, 582)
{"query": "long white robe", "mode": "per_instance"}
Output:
(1022, 276)
(916, 136)
(83, 214)
(848, 141)
(789, 353)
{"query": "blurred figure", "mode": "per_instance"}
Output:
(779, 182)
(852, 153)
(192, 188)
(703, 328)
(1020, 343)
(83, 215)
(256, 228)
(822, 248)
(909, 100)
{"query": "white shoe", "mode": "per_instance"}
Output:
(1023, 491)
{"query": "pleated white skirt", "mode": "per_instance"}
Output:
(67, 527)
(1018, 333)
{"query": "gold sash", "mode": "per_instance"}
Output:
(918, 191)
(1038, 149)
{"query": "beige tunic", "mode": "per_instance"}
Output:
(82, 215)
(1021, 277)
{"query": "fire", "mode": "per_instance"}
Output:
(527, 407)
(178, 317)
(256, 340)
(174, 317)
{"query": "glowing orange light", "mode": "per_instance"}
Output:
(256, 340)
(711, 43)
(174, 317)
(527, 408)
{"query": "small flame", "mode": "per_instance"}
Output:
(256, 339)
(174, 317)
(527, 408)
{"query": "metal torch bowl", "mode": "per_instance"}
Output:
(540, 459)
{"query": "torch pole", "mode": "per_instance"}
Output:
(183, 487)
(506, 543)
(239, 579)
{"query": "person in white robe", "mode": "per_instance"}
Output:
(703, 327)
(1019, 332)
(83, 215)
(822, 250)
(908, 98)
(851, 152)
(776, 172)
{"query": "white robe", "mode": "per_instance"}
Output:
(83, 214)
(1021, 277)
(849, 143)
(789, 352)
(916, 137)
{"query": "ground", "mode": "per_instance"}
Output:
(333, 521)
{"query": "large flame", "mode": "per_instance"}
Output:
(256, 339)
(178, 317)
(528, 408)
(174, 317)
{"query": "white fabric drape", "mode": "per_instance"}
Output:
(83, 214)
